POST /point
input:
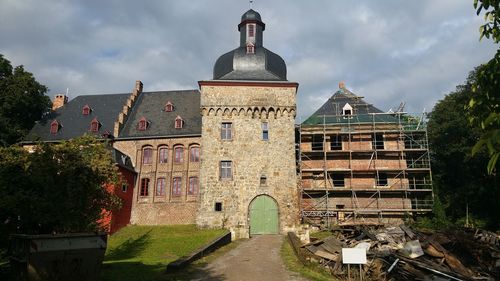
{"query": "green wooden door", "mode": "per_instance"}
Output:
(263, 216)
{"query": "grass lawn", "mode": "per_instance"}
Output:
(142, 252)
(310, 272)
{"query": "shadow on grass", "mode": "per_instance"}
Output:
(129, 249)
(138, 271)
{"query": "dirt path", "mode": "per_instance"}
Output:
(255, 259)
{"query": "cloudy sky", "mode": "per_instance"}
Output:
(386, 51)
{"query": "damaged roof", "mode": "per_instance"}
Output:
(332, 110)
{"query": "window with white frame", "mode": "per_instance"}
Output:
(265, 131)
(226, 130)
(347, 110)
(226, 171)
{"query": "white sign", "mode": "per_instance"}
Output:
(353, 256)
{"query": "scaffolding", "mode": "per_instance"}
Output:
(363, 169)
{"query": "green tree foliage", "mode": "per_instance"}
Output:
(484, 105)
(491, 10)
(57, 188)
(22, 102)
(459, 178)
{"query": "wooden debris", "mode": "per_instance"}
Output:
(408, 231)
(401, 253)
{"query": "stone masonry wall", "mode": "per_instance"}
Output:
(246, 107)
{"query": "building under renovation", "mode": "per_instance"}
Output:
(224, 155)
(359, 165)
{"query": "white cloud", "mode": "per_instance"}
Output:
(386, 51)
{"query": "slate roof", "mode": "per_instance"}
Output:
(151, 105)
(251, 15)
(122, 160)
(74, 124)
(331, 110)
(264, 65)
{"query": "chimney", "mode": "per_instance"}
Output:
(341, 85)
(59, 101)
(122, 117)
(138, 86)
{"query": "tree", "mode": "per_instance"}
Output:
(484, 105)
(459, 178)
(57, 188)
(22, 102)
(492, 17)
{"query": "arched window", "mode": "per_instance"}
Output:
(94, 125)
(163, 155)
(193, 186)
(194, 154)
(178, 154)
(54, 127)
(143, 124)
(178, 122)
(169, 107)
(147, 156)
(86, 109)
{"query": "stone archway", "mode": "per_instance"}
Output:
(263, 214)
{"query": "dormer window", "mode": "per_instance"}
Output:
(94, 125)
(54, 127)
(143, 124)
(169, 107)
(86, 110)
(347, 110)
(250, 48)
(179, 122)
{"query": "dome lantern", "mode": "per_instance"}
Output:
(250, 61)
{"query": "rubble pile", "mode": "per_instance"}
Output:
(401, 253)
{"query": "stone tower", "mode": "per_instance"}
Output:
(248, 180)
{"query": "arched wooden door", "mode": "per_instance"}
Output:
(264, 216)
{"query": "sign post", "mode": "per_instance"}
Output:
(354, 256)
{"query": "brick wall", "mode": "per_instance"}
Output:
(169, 207)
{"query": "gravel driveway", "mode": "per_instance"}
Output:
(257, 258)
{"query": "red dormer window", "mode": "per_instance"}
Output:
(178, 122)
(86, 110)
(169, 107)
(54, 127)
(250, 49)
(94, 125)
(143, 124)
